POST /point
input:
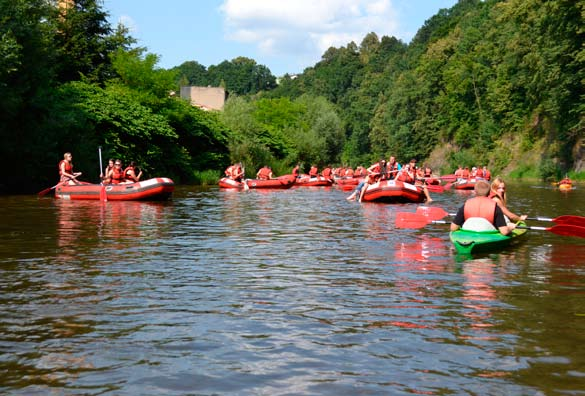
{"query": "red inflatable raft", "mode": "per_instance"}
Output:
(156, 189)
(463, 184)
(282, 182)
(393, 191)
(307, 181)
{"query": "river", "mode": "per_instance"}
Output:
(284, 292)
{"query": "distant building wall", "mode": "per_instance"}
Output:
(207, 98)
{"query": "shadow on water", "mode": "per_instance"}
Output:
(283, 292)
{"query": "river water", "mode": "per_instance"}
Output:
(295, 292)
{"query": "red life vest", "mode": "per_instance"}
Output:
(127, 176)
(117, 176)
(405, 176)
(480, 207)
(313, 172)
(68, 167)
(229, 171)
(264, 173)
(326, 172)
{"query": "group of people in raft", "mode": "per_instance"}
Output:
(463, 173)
(112, 174)
(381, 170)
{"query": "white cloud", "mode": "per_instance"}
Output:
(129, 23)
(306, 28)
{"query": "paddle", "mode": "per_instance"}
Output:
(415, 220)
(436, 213)
(103, 194)
(46, 190)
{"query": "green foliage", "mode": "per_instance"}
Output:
(206, 177)
(240, 76)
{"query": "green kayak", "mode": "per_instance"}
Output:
(467, 242)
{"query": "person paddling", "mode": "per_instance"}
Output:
(483, 207)
(66, 170)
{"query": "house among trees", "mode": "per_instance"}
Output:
(206, 98)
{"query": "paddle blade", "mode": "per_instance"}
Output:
(410, 220)
(570, 219)
(44, 192)
(568, 230)
(431, 212)
(103, 195)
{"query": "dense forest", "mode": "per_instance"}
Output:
(491, 82)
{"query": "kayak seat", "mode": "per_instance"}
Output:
(478, 224)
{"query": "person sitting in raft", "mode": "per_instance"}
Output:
(392, 168)
(360, 190)
(498, 194)
(264, 173)
(483, 207)
(314, 171)
(105, 176)
(486, 173)
(117, 174)
(296, 172)
(235, 172)
(459, 172)
(327, 173)
(408, 174)
(130, 173)
(66, 173)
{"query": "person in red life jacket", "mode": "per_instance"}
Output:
(360, 190)
(498, 194)
(482, 206)
(105, 176)
(117, 174)
(296, 172)
(375, 172)
(392, 168)
(359, 171)
(479, 172)
(473, 172)
(313, 172)
(264, 173)
(406, 174)
(235, 172)
(349, 172)
(327, 173)
(486, 174)
(465, 174)
(130, 173)
(66, 173)
(459, 172)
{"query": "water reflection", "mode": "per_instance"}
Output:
(288, 292)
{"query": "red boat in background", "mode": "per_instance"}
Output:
(348, 181)
(393, 191)
(281, 182)
(307, 181)
(156, 189)
(464, 184)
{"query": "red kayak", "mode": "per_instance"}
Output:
(393, 191)
(156, 189)
(307, 181)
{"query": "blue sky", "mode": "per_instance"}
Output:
(285, 36)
